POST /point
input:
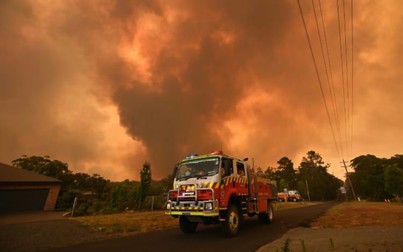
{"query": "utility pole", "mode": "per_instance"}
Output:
(349, 180)
(307, 190)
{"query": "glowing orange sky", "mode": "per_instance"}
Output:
(107, 86)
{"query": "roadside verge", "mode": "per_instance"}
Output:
(358, 226)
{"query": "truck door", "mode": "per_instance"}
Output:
(227, 167)
(241, 178)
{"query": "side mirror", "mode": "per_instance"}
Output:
(175, 171)
(246, 159)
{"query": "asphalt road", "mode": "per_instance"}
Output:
(210, 238)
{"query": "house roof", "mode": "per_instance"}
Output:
(11, 174)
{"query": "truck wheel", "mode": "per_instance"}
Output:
(232, 222)
(268, 216)
(186, 226)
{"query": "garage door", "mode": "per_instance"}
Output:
(23, 200)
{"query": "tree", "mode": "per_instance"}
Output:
(123, 195)
(167, 183)
(322, 185)
(74, 184)
(145, 176)
(94, 183)
(368, 177)
(271, 173)
(394, 181)
(287, 172)
(44, 165)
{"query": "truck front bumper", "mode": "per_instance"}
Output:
(202, 208)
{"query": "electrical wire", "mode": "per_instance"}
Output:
(352, 76)
(332, 88)
(344, 139)
(326, 67)
(317, 75)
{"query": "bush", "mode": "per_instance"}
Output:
(66, 200)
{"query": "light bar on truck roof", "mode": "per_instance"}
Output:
(191, 156)
(217, 152)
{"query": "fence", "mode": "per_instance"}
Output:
(154, 203)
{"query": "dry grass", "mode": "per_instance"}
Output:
(287, 205)
(128, 223)
(141, 222)
(360, 214)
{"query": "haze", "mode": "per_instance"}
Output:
(107, 85)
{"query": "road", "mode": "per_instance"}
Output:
(209, 238)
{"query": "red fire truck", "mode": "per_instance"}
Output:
(216, 188)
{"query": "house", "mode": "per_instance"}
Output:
(23, 190)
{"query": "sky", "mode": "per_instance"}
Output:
(107, 85)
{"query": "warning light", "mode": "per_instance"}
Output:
(217, 152)
(191, 156)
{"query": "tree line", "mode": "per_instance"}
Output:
(311, 178)
(373, 178)
(377, 179)
(96, 194)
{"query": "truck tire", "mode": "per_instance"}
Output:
(268, 216)
(232, 222)
(186, 226)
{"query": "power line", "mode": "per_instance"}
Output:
(347, 78)
(317, 74)
(344, 133)
(352, 74)
(332, 89)
(324, 61)
(342, 73)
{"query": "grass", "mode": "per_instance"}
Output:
(286, 247)
(342, 215)
(128, 223)
(141, 222)
(287, 205)
(349, 215)
(361, 214)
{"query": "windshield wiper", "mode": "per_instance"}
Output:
(184, 178)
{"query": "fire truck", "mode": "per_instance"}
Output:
(219, 189)
(291, 195)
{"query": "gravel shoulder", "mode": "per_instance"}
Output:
(363, 238)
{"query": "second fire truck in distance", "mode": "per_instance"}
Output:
(216, 188)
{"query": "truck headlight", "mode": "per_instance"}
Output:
(208, 206)
(168, 206)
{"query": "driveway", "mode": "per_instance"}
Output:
(36, 231)
(24, 217)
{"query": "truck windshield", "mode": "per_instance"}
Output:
(197, 168)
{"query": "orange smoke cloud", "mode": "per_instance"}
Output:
(105, 86)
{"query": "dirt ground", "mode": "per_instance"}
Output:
(364, 238)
